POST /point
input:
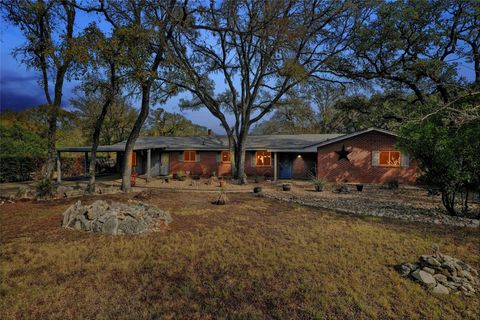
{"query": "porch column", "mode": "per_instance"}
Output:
(275, 166)
(149, 162)
(59, 168)
(85, 163)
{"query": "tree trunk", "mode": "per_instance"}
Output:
(95, 143)
(240, 159)
(98, 127)
(52, 127)
(132, 138)
(448, 200)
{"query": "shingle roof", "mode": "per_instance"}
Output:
(284, 142)
(281, 142)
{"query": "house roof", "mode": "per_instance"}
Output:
(275, 143)
(351, 135)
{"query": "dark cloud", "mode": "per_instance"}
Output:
(11, 76)
(19, 100)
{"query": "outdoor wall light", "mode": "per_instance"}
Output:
(299, 156)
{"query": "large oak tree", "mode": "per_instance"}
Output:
(239, 58)
(51, 48)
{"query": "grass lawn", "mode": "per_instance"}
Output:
(253, 258)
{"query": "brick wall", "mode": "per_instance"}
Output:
(206, 165)
(303, 166)
(359, 169)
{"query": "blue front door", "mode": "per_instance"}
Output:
(284, 166)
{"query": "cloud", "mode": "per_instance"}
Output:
(19, 101)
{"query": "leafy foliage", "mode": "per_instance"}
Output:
(118, 121)
(448, 157)
(164, 123)
(17, 141)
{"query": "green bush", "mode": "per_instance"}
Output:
(448, 158)
(19, 168)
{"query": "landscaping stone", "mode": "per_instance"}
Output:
(429, 270)
(440, 289)
(442, 274)
(356, 206)
(424, 277)
(115, 218)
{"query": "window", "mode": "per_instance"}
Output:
(225, 156)
(189, 156)
(389, 158)
(263, 158)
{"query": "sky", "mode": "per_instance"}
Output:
(19, 87)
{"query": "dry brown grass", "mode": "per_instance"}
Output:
(252, 258)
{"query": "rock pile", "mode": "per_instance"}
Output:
(442, 274)
(115, 218)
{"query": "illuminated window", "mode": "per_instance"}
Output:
(189, 156)
(389, 158)
(134, 159)
(225, 156)
(263, 158)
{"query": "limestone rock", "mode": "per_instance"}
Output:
(442, 274)
(425, 278)
(440, 289)
(115, 218)
(428, 270)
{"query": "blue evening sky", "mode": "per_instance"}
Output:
(19, 88)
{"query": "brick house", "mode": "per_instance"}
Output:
(367, 156)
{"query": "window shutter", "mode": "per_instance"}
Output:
(217, 156)
(375, 158)
(252, 158)
(180, 156)
(197, 156)
(404, 160)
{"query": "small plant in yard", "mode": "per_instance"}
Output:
(319, 184)
(180, 175)
(392, 184)
(45, 188)
(222, 198)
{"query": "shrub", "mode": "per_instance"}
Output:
(448, 158)
(45, 188)
(19, 168)
(393, 184)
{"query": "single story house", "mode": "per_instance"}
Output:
(367, 156)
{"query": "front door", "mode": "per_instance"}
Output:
(285, 166)
(164, 164)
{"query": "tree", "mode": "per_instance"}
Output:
(260, 50)
(447, 156)
(118, 121)
(163, 123)
(143, 27)
(338, 114)
(35, 120)
(414, 46)
(51, 48)
(17, 141)
(105, 57)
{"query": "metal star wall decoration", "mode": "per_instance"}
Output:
(343, 154)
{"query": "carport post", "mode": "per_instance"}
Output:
(275, 166)
(85, 163)
(59, 168)
(149, 162)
